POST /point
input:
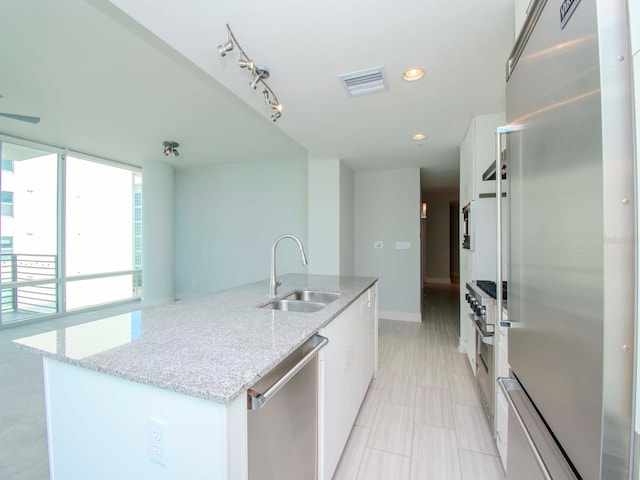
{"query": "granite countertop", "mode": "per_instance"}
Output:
(212, 347)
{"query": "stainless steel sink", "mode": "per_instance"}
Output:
(295, 306)
(313, 296)
(303, 301)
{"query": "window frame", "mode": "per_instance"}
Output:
(61, 279)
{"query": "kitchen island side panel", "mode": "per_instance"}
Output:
(98, 428)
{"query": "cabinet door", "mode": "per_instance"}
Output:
(334, 425)
(467, 148)
(369, 338)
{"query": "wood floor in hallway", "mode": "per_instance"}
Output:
(422, 418)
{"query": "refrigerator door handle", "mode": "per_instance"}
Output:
(504, 129)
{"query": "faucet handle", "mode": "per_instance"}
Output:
(279, 282)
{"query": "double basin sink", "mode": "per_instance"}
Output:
(303, 301)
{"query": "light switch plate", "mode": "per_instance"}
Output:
(403, 245)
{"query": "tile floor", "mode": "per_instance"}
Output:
(422, 418)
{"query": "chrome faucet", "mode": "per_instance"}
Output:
(274, 283)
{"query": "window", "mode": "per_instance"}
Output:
(7, 165)
(6, 243)
(7, 204)
(99, 244)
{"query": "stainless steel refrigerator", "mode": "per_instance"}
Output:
(571, 242)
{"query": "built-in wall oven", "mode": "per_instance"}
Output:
(481, 297)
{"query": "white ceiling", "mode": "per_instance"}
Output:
(105, 85)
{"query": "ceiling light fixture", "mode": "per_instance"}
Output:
(170, 147)
(419, 136)
(258, 74)
(413, 74)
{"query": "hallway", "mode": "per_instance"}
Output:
(422, 418)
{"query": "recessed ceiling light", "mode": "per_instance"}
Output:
(413, 74)
(419, 136)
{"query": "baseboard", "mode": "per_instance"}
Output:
(402, 316)
(444, 281)
(461, 346)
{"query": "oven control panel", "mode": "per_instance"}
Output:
(481, 304)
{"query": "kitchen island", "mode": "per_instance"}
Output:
(186, 367)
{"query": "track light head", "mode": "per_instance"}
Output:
(170, 147)
(248, 64)
(225, 48)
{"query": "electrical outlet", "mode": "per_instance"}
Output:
(157, 439)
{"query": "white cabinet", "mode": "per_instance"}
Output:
(467, 186)
(484, 149)
(347, 365)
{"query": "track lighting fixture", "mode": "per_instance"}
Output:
(272, 104)
(226, 47)
(248, 64)
(170, 147)
(259, 74)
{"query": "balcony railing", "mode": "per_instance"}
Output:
(39, 273)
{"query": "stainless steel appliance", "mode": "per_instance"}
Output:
(282, 418)
(571, 244)
(482, 317)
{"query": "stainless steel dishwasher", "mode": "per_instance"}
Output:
(282, 420)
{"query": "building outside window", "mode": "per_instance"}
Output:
(54, 259)
(7, 204)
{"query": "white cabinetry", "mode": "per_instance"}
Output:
(477, 153)
(347, 365)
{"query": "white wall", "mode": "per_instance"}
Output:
(347, 199)
(387, 205)
(331, 202)
(324, 217)
(157, 233)
(227, 217)
(437, 242)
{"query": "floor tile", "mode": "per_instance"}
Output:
(432, 375)
(464, 389)
(478, 466)
(349, 464)
(404, 360)
(399, 389)
(473, 430)
(433, 407)
(378, 465)
(458, 364)
(392, 429)
(369, 406)
(434, 454)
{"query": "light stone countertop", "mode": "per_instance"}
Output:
(213, 347)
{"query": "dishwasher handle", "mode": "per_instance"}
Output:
(256, 400)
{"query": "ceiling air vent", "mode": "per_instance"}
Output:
(365, 81)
